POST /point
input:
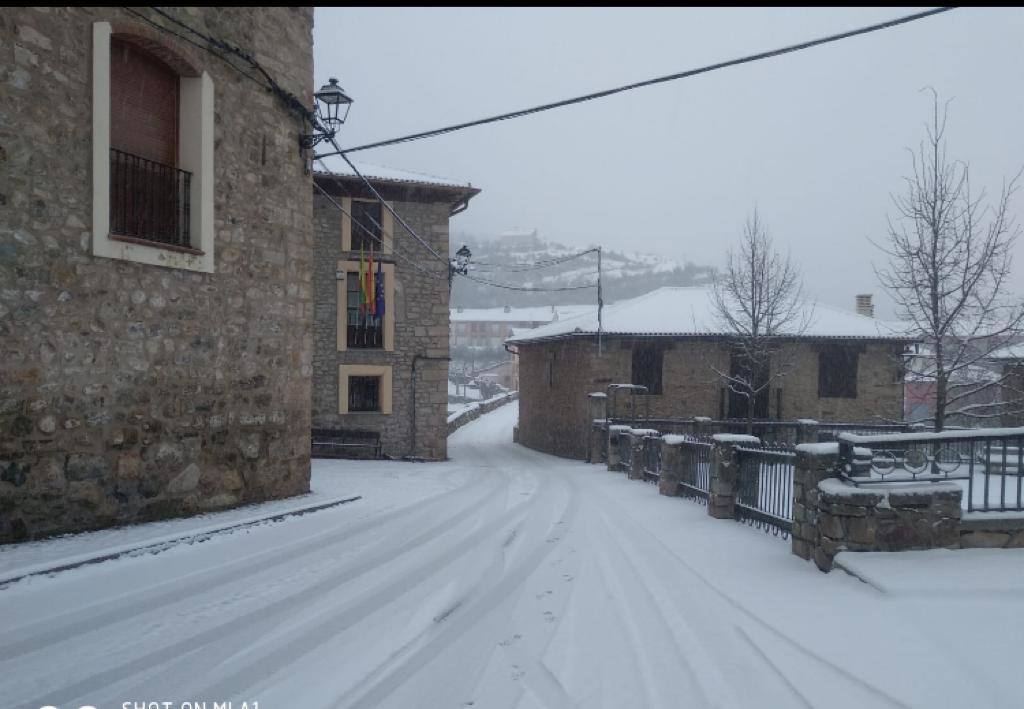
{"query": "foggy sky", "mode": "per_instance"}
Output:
(816, 140)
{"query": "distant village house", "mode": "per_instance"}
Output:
(847, 368)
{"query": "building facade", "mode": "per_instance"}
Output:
(488, 328)
(384, 372)
(156, 261)
(846, 367)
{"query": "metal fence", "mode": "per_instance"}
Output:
(652, 458)
(764, 496)
(695, 480)
(149, 200)
(987, 465)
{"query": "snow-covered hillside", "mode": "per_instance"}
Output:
(507, 258)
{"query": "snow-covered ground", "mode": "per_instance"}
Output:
(505, 578)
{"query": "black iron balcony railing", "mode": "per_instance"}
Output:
(149, 201)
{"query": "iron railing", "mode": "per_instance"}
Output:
(652, 458)
(764, 495)
(987, 464)
(695, 477)
(149, 200)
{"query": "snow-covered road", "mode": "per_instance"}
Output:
(503, 578)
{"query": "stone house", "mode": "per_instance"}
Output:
(384, 376)
(156, 265)
(844, 367)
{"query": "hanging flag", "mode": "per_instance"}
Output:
(371, 292)
(378, 299)
(362, 282)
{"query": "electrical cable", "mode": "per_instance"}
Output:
(650, 82)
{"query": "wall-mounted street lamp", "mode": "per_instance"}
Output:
(332, 107)
(459, 264)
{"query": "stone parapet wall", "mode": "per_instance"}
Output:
(129, 391)
(485, 407)
(987, 532)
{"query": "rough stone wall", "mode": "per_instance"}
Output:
(879, 387)
(132, 392)
(421, 328)
(689, 387)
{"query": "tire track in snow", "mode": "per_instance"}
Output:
(329, 623)
(214, 639)
(837, 671)
(486, 603)
(637, 608)
(41, 634)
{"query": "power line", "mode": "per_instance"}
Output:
(546, 263)
(204, 47)
(370, 233)
(508, 286)
(290, 100)
(650, 82)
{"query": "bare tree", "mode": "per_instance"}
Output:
(950, 258)
(758, 299)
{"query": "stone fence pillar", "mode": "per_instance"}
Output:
(724, 474)
(636, 440)
(806, 431)
(701, 426)
(614, 434)
(673, 457)
(814, 462)
(596, 411)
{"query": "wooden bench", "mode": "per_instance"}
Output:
(345, 443)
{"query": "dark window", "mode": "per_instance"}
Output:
(366, 221)
(364, 330)
(647, 363)
(149, 196)
(837, 371)
(364, 393)
(752, 379)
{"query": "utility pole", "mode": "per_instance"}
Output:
(600, 304)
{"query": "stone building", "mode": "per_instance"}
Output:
(488, 328)
(384, 376)
(845, 367)
(156, 265)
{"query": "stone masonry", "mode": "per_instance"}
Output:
(132, 392)
(421, 318)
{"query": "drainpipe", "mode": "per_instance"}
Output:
(412, 409)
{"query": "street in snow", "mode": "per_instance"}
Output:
(503, 578)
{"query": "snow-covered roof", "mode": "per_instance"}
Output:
(390, 174)
(1008, 352)
(539, 314)
(690, 312)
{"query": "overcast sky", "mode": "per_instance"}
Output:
(817, 140)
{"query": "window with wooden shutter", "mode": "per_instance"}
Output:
(150, 199)
(143, 104)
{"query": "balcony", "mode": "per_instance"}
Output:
(150, 202)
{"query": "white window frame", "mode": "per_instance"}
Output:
(195, 154)
(365, 370)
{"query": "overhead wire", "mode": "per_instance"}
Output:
(651, 82)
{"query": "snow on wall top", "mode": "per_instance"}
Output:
(689, 311)
(542, 314)
(390, 174)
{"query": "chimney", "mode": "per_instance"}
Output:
(864, 305)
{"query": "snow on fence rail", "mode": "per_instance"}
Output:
(988, 464)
